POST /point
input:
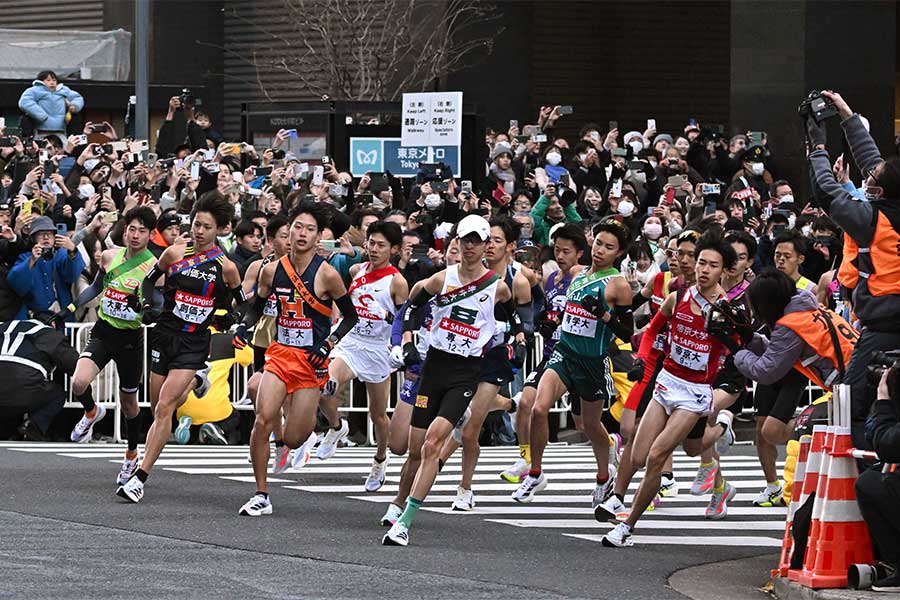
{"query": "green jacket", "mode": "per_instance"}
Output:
(542, 226)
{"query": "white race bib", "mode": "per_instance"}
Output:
(296, 332)
(690, 359)
(578, 321)
(115, 305)
(191, 308)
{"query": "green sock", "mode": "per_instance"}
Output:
(412, 505)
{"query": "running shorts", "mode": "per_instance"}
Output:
(291, 367)
(674, 393)
(590, 378)
(370, 363)
(170, 351)
(446, 387)
(125, 347)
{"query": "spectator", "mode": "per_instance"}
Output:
(551, 209)
(49, 103)
(168, 226)
(248, 241)
(11, 246)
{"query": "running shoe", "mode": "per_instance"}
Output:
(391, 515)
(458, 429)
(302, 454)
(329, 388)
(398, 535)
(529, 487)
(602, 491)
(133, 490)
(256, 506)
(724, 443)
(610, 511)
(718, 504)
(282, 459)
(377, 475)
(654, 504)
(84, 429)
(517, 472)
(768, 498)
(128, 469)
(202, 379)
(183, 431)
(465, 500)
(615, 446)
(891, 583)
(515, 403)
(212, 434)
(329, 445)
(668, 487)
(704, 479)
(619, 537)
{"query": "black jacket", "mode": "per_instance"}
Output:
(28, 367)
(886, 431)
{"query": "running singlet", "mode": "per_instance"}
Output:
(303, 320)
(122, 280)
(556, 305)
(463, 316)
(693, 354)
(583, 333)
(371, 296)
(662, 287)
(191, 290)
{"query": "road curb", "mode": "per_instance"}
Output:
(785, 589)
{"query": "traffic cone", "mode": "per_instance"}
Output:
(811, 480)
(784, 562)
(843, 538)
(809, 559)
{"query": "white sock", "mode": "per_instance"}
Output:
(773, 487)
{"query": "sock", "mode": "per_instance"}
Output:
(719, 488)
(709, 464)
(412, 505)
(279, 443)
(668, 474)
(87, 401)
(621, 497)
(525, 453)
(142, 475)
(197, 382)
(534, 473)
(773, 486)
(381, 460)
(133, 432)
(603, 480)
(440, 465)
(263, 494)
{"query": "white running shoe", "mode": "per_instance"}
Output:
(718, 504)
(84, 429)
(183, 431)
(529, 487)
(619, 537)
(329, 445)
(377, 475)
(458, 429)
(465, 500)
(611, 511)
(282, 459)
(133, 490)
(724, 443)
(212, 434)
(704, 479)
(602, 491)
(303, 453)
(517, 472)
(391, 515)
(398, 535)
(769, 497)
(615, 446)
(202, 377)
(129, 467)
(668, 487)
(256, 506)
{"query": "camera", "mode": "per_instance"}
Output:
(886, 361)
(48, 253)
(724, 318)
(817, 106)
(186, 97)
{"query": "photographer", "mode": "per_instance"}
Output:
(877, 493)
(870, 266)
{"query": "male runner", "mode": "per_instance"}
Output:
(377, 289)
(117, 334)
(683, 390)
(598, 308)
(463, 324)
(297, 361)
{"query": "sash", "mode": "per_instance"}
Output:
(470, 289)
(737, 290)
(577, 285)
(127, 266)
(196, 260)
(301, 288)
(376, 275)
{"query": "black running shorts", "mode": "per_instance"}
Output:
(446, 387)
(171, 351)
(496, 367)
(125, 347)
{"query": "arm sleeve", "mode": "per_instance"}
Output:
(196, 137)
(397, 325)
(638, 300)
(621, 322)
(75, 99)
(254, 311)
(92, 291)
(515, 322)
(526, 316)
(20, 276)
(853, 216)
(350, 318)
(862, 146)
(412, 316)
(148, 286)
(649, 336)
(69, 269)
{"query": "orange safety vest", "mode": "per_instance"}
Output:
(882, 268)
(828, 334)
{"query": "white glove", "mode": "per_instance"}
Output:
(396, 360)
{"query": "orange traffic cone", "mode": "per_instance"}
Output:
(811, 480)
(784, 562)
(843, 538)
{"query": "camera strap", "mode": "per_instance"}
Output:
(835, 341)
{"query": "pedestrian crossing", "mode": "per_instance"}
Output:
(562, 508)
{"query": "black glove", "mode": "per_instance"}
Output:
(815, 132)
(726, 339)
(519, 352)
(241, 337)
(133, 302)
(636, 372)
(593, 305)
(411, 354)
(318, 356)
(546, 326)
(745, 332)
(148, 315)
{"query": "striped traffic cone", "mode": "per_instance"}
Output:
(784, 562)
(811, 480)
(815, 526)
(843, 538)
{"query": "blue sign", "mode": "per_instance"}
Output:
(386, 154)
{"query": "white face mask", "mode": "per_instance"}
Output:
(90, 163)
(786, 199)
(652, 230)
(432, 201)
(636, 146)
(639, 177)
(86, 191)
(625, 208)
(806, 230)
(757, 168)
(653, 162)
(554, 158)
(792, 220)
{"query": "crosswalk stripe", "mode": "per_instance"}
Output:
(645, 524)
(663, 510)
(736, 540)
(554, 499)
(493, 487)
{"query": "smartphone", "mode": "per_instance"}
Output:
(513, 123)
(613, 125)
(564, 180)
(209, 154)
(120, 146)
(152, 159)
(651, 123)
(710, 189)
(292, 133)
(330, 245)
(62, 229)
(566, 110)
(669, 198)
(756, 137)
(262, 171)
(184, 224)
(692, 122)
(767, 211)
(7, 141)
(420, 250)
(637, 165)
(676, 181)
(364, 198)
(255, 192)
(45, 156)
(621, 152)
(539, 138)
(139, 146)
(301, 170)
(710, 208)
(195, 171)
(27, 206)
(110, 217)
(99, 128)
(531, 130)
(326, 160)
(318, 175)
(616, 189)
(466, 186)
(82, 140)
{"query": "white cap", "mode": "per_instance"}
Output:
(474, 224)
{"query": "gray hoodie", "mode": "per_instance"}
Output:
(768, 360)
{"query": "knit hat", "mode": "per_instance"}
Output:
(663, 137)
(632, 135)
(500, 149)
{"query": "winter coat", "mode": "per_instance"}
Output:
(47, 282)
(48, 109)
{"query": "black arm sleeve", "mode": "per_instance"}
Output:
(526, 316)
(93, 290)
(237, 294)
(148, 286)
(412, 317)
(638, 300)
(348, 311)
(621, 323)
(515, 322)
(255, 309)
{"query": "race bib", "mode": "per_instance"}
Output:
(553, 316)
(659, 342)
(296, 332)
(191, 308)
(115, 305)
(578, 321)
(271, 307)
(695, 360)
(369, 324)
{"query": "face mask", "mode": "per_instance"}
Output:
(433, 201)
(86, 191)
(554, 158)
(792, 220)
(653, 162)
(625, 208)
(806, 230)
(636, 146)
(581, 157)
(757, 168)
(786, 199)
(90, 163)
(639, 177)
(652, 230)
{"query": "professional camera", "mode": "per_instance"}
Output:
(817, 106)
(886, 361)
(722, 317)
(186, 97)
(48, 253)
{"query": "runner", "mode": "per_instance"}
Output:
(297, 361)
(683, 390)
(377, 289)
(462, 326)
(117, 335)
(580, 360)
(196, 276)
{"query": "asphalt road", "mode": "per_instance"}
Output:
(63, 533)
